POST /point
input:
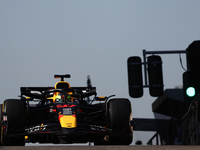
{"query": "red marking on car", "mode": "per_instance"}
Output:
(65, 105)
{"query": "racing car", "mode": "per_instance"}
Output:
(64, 114)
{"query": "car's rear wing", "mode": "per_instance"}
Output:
(39, 92)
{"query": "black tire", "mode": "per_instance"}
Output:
(15, 111)
(0, 121)
(119, 111)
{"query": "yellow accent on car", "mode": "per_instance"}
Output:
(68, 121)
(101, 97)
(62, 84)
(41, 126)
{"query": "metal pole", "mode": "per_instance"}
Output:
(166, 52)
(145, 67)
(159, 52)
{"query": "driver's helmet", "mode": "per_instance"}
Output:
(60, 98)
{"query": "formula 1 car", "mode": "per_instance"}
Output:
(65, 114)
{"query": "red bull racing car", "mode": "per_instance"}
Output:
(65, 114)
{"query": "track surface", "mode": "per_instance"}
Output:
(101, 148)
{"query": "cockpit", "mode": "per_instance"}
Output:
(59, 97)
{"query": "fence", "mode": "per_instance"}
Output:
(191, 124)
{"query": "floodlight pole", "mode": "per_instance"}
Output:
(159, 52)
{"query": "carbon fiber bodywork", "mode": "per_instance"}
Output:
(64, 114)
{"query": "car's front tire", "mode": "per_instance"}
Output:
(15, 114)
(120, 113)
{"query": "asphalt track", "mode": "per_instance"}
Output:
(132, 147)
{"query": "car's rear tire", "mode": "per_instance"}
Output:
(15, 111)
(119, 111)
(0, 121)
